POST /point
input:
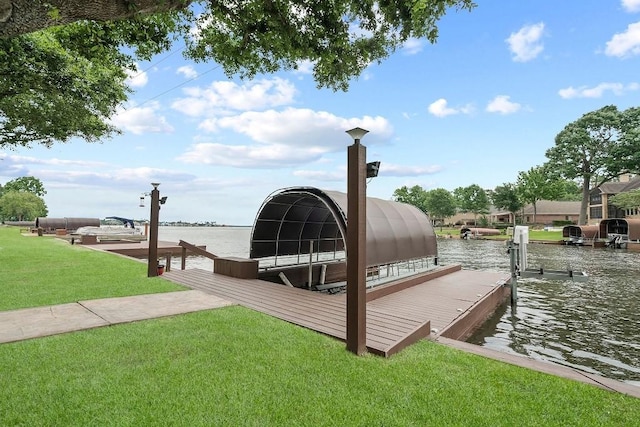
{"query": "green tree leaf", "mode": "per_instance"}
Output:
(21, 206)
(26, 184)
(66, 81)
(507, 197)
(440, 204)
(472, 199)
(415, 196)
(597, 147)
(539, 184)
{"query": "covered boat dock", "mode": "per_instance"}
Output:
(580, 234)
(618, 232)
(298, 246)
(299, 237)
(50, 225)
(303, 229)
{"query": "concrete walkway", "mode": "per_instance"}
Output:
(22, 324)
(27, 323)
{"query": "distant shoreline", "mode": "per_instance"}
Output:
(187, 225)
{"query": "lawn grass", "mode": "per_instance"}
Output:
(236, 367)
(37, 271)
(534, 235)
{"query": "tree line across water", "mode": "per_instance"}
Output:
(598, 147)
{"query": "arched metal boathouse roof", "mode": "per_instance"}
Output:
(292, 217)
(587, 231)
(70, 224)
(628, 226)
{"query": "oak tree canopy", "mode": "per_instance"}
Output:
(65, 60)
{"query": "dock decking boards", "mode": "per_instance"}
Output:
(393, 322)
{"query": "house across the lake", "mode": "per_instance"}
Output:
(600, 207)
(547, 211)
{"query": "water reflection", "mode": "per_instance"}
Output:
(593, 326)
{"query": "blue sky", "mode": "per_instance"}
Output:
(482, 104)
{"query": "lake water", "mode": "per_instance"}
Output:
(593, 326)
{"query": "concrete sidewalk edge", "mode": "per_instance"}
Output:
(545, 367)
(36, 322)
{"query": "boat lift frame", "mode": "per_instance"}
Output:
(519, 268)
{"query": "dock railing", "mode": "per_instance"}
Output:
(196, 250)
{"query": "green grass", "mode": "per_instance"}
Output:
(534, 235)
(235, 367)
(36, 271)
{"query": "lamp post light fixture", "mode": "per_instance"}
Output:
(357, 134)
(356, 243)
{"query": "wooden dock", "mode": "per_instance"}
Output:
(451, 305)
(140, 249)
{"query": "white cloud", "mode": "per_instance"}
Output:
(440, 108)
(139, 120)
(631, 5)
(113, 177)
(413, 46)
(245, 156)
(12, 167)
(50, 161)
(597, 91)
(284, 138)
(304, 67)
(389, 169)
(525, 44)
(225, 96)
(136, 78)
(501, 104)
(304, 128)
(626, 43)
(187, 71)
(325, 176)
(86, 174)
(386, 169)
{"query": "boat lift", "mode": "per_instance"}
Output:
(517, 250)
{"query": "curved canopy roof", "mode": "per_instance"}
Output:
(628, 226)
(66, 223)
(292, 217)
(588, 231)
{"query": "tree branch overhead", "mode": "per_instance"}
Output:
(25, 16)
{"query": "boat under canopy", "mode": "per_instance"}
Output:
(618, 231)
(579, 234)
(301, 220)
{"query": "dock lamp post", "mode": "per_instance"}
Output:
(154, 217)
(356, 243)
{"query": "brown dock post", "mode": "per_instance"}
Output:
(356, 244)
(152, 265)
(168, 263)
(183, 263)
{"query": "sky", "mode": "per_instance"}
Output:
(481, 105)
